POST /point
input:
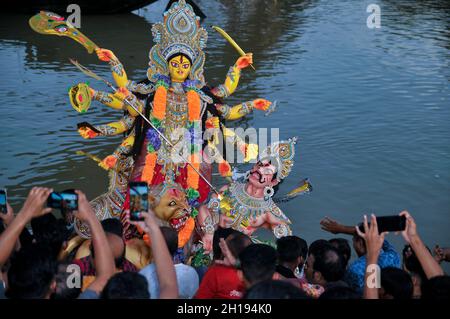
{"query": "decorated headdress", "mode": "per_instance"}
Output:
(281, 154)
(180, 32)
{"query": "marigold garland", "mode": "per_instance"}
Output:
(149, 168)
(193, 100)
(159, 103)
(184, 234)
(192, 175)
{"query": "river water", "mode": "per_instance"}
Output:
(371, 107)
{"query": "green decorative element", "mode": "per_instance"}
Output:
(194, 212)
(200, 259)
(155, 122)
(150, 148)
(192, 193)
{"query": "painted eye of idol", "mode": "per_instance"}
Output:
(186, 66)
(174, 64)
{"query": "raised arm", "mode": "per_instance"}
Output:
(89, 131)
(334, 227)
(165, 269)
(240, 110)
(232, 79)
(104, 259)
(374, 242)
(33, 207)
(429, 264)
(117, 69)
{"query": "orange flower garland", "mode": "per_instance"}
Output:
(192, 176)
(149, 168)
(193, 100)
(184, 234)
(159, 103)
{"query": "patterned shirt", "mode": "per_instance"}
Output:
(357, 269)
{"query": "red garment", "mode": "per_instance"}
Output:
(220, 282)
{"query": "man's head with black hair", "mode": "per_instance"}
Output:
(171, 238)
(258, 263)
(395, 284)
(65, 275)
(50, 231)
(325, 265)
(126, 285)
(343, 247)
(237, 242)
(274, 289)
(292, 250)
(32, 273)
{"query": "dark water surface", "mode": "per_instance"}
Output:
(371, 106)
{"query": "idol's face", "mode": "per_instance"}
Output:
(262, 174)
(179, 68)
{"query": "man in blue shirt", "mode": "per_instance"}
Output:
(354, 275)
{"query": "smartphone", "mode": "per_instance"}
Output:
(389, 223)
(138, 199)
(3, 201)
(66, 200)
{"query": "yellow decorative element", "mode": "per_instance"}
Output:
(231, 41)
(138, 253)
(80, 97)
(179, 68)
(50, 23)
(72, 244)
(251, 152)
(232, 79)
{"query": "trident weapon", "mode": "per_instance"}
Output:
(90, 73)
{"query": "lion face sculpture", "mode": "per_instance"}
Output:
(170, 204)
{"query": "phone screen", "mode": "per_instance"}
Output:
(138, 199)
(3, 208)
(389, 223)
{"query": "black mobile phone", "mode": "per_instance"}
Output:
(66, 200)
(138, 199)
(389, 223)
(3, 201)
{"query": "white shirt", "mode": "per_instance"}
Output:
(187, 280)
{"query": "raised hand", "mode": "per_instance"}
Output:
(9, 216)
(87, 133)
(150, 221)
(105, 55)
(411, 228)
(261, 104)
(34, 204)
(244, 61)
(229, 259)
(374, 240)
(212, 122)
(330, 225)
(108, 162)
(85, 211)
(122, 93)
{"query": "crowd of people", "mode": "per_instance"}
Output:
(33, 266)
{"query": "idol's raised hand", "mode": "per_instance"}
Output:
(244, 61)
(105, 55)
